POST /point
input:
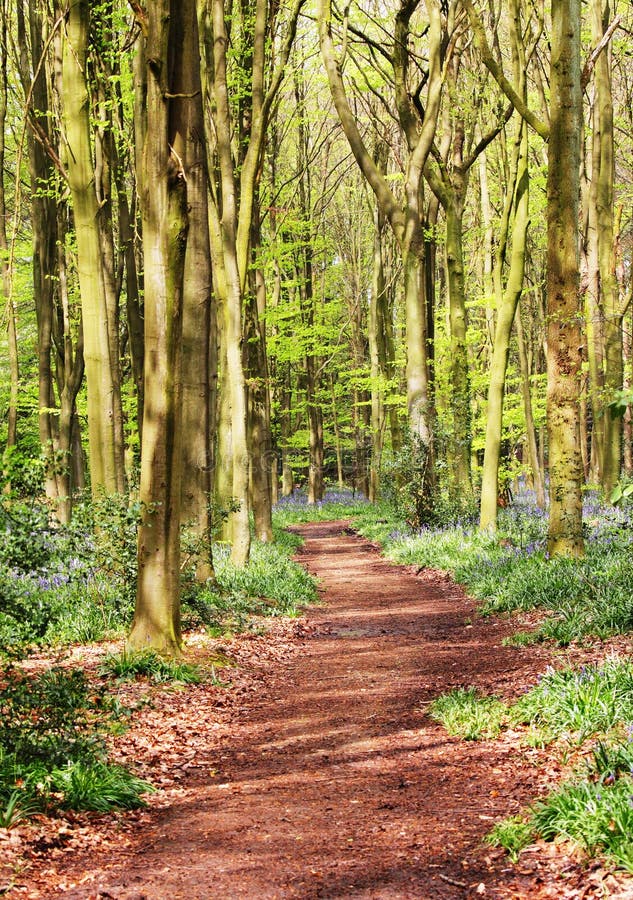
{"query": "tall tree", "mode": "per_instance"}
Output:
(564, 334)
(449, 179)
(406, 215)
(236, 134)
(198, 312)
(5, 255)
(605, 311)
(92, 212)
(165, 224)
(30, 34)
(516, 218)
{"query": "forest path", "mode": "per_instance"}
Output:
(332, 782)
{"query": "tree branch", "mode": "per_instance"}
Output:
(497, 73)
(595, 53)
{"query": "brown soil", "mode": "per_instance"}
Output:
(318, 774)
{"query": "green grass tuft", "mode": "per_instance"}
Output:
(129, 665)
(466, 714)
(579, 702)
(52, 751)
(513, 834)
(595, 815)
(99, 786)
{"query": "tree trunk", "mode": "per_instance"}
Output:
(70, 371)
(460, 482)
(223, 462)
(258, 396)
(376, 301)
(164, 209)
(604, 175)
(501, 346)
(227, 247)
(287, 477)
(196, 321)
(338, 448)
(106, 462)
(564, 339)
(7, 278)
(44, 224)
(532, 443)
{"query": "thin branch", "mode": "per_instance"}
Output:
(489, 137)
(595, 53)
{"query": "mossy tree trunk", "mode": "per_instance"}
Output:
(98, 305)
(197, 296)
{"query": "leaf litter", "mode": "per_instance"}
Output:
(308, 768)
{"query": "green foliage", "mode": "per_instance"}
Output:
(513, 834)
(48, 717)
(97, 785)
(406, 478)
(269, 574)
(52, 752)
(129, 665)
(466, 714)
(416, 493)
(22, 474)
(594, 812)
(580, 702)
(26, 543)
(107, 529)
(63, 584)
(272, 584)
(622, 492)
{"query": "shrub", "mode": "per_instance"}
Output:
(52, 751)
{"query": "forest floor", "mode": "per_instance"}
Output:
(316, 772)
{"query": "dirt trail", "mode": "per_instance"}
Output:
(333, 782)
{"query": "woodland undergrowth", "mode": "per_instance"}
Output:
(62, 586)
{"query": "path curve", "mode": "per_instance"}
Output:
(335, 783)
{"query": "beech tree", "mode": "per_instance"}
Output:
(95, 253)
(236, 132)
(30, 33)
(165, 226)
(564, 333)
(5, 262)
(564, 337)
(605, 306)
(515, 220)
(405, 215)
